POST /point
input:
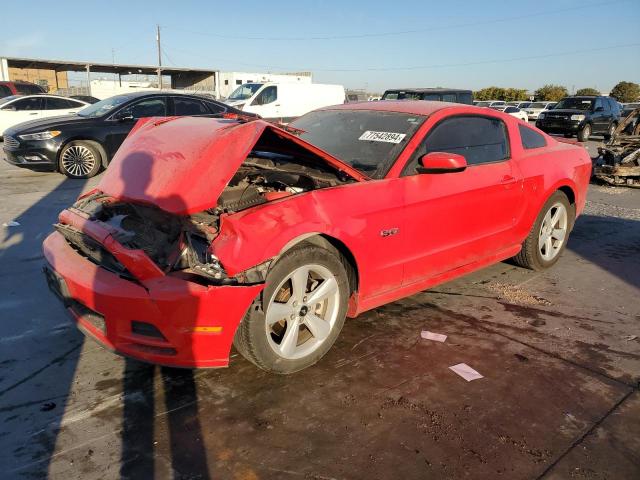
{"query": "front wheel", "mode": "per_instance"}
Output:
(549, 235)
(304, 306)
(80, 159)
(584, 133)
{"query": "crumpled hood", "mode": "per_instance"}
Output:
(182, 164)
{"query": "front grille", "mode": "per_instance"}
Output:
(92, 250)
(11, 143)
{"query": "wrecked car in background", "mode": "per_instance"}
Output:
(208, 232)
(620, 156)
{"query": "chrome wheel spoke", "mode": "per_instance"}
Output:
(559, 234)
(319, 328)
(278, 311)
(299, 281)
(290, 339)
(326, 288)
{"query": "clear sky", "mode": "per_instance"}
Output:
(360, 44)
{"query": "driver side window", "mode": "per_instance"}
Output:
(478, 139)
(268, 95)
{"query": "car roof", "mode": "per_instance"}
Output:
(40, 95)
(427, 90)
(413, 107)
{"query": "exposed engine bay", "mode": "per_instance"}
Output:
(182, 243)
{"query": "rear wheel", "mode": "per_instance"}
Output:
(584, 133)
(549, 235)
(80, 159)
(303, 310)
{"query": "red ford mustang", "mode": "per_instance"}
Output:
(208, 232)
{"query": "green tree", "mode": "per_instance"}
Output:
(587, 91)
(551, 93)
(499, 93)
(513, 94)
(626, 92)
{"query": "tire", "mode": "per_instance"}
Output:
(584, 133)
(263, 336)
(536, 253)
(80, 159)
(612, 128)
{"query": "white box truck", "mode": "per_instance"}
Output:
(285, 101)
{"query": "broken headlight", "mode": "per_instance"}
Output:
(200, 259)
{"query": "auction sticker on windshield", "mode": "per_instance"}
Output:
(389, 137)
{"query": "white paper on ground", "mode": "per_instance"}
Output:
(11, 224)
(466, 372)
(436, 337)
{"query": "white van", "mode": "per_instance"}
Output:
(285, 101)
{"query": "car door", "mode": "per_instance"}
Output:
(55, 107)
(122, 121)
(599, 117)
(267, 103)
(18, 111)
(454, 219)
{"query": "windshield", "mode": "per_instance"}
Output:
(369, 141)
(483, 104)
(538, 105)
(103, 107)
(575, 104)
(245, 91)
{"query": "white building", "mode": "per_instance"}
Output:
(229, 81)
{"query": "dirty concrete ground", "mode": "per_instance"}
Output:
(559, 350)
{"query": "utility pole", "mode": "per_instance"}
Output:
(159, 58)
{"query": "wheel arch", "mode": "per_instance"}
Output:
(329, 242)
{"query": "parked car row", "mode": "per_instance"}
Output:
(82, 143)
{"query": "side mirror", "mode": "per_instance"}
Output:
(440, 162)
(10, 108)
(124, 116)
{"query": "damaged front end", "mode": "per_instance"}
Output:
(137, 253)
(182, 244)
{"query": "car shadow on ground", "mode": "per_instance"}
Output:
(142, 400)
(604, 241)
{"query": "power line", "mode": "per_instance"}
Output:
(400, 32)
(432, 66)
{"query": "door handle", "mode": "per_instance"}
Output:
(508, 179)
(34, 113)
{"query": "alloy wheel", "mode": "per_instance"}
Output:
(302, 311)
(553, 231)
(78, 160)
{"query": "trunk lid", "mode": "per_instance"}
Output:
(183, 164)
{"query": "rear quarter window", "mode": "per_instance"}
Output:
(530, 138)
